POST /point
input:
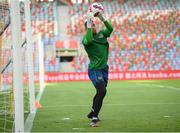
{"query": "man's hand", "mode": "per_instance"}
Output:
(100, 16)
(89, 19)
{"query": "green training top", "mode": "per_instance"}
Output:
(97, 46)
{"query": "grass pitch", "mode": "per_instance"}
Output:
(129, 106)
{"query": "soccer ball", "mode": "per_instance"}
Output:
(96, 8)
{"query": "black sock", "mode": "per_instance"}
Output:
(98, 99)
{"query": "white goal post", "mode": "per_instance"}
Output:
(17, 66)
(19, 120)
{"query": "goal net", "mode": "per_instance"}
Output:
(30, 68)
(6, 84)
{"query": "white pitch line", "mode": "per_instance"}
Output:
(161, 86)
(156, 85)
(113, 105)
(78, 129)
(167, 116)
(64, 119)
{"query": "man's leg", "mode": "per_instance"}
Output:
(101, 90)
(97, 104)
(97, 78)
(92, 77)
(100, 94)
(98, 101)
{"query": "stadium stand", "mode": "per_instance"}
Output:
(146, 34)
(43, 21)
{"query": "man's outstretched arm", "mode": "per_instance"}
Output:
(109, 28)
(89, 35)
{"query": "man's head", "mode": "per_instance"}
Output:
(93, 27)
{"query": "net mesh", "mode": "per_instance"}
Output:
(6, 67)
(6, 84)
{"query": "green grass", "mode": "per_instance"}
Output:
(149, 106)
(6, 119)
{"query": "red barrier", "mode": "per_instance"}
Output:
(131, 75)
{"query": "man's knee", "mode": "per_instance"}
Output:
(101, 88)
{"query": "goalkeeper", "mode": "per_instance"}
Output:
(97, 48)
